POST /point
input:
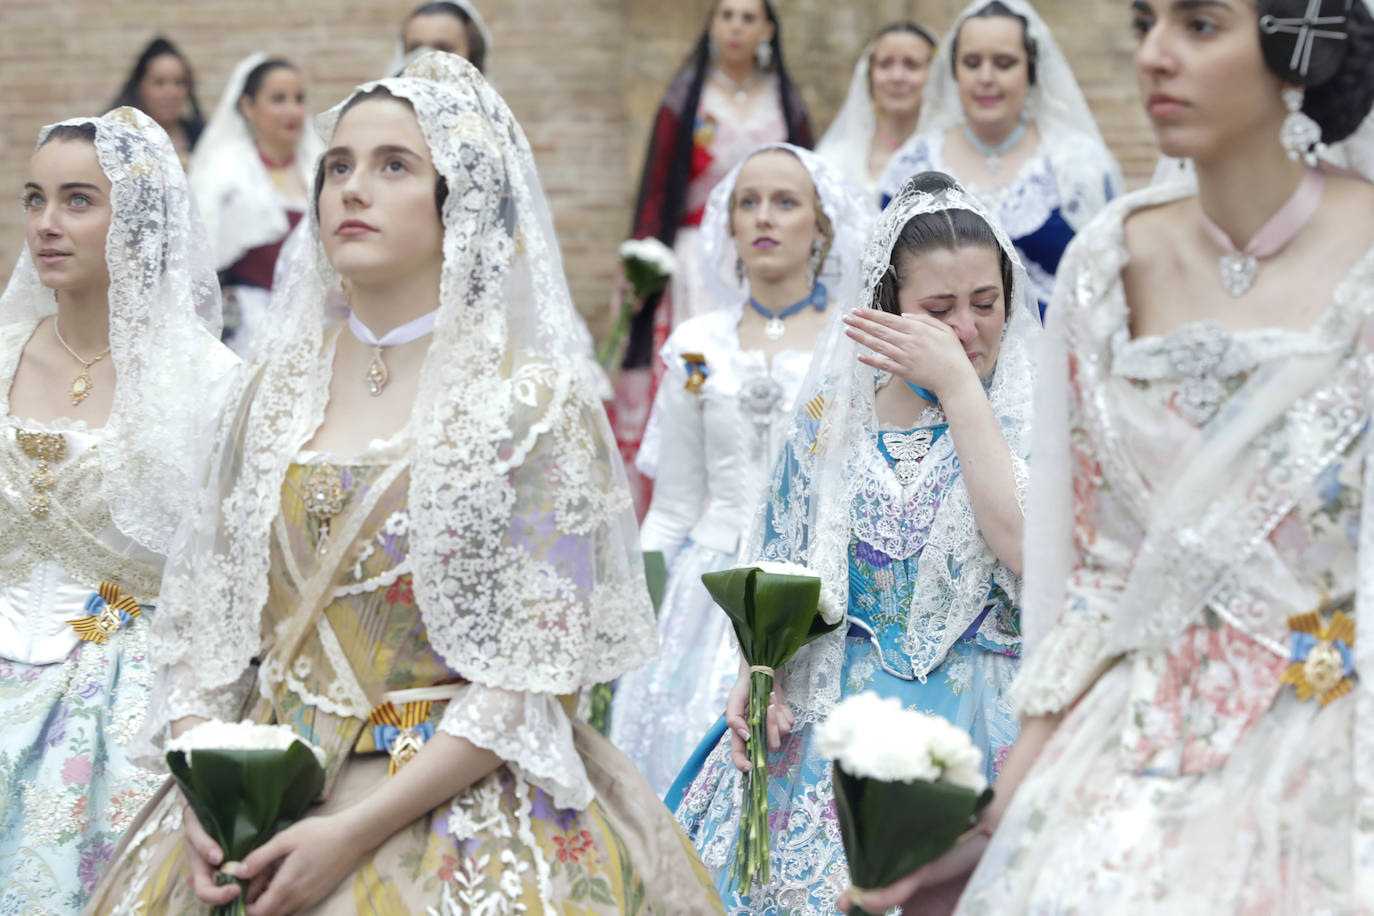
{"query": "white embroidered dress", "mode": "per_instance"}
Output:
(1193, 492)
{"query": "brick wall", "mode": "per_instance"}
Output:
(583, 76)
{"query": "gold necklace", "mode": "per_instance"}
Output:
(81, 385)
(43, 448)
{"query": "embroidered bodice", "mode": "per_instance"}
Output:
(50, 566)
(717, 425)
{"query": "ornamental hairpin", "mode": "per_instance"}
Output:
(1308, 28)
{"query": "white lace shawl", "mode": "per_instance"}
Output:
(171, 370)
(808, 515)
(238, 202)
(524, 581)
(1087, 174)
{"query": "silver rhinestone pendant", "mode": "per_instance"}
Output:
(774, 329)
(1238, 273)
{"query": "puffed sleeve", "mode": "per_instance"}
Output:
(680, 444)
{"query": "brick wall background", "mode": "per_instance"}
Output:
(583, 76)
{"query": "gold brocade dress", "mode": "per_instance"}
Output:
(366, 675)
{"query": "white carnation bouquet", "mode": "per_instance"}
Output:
(649, 265)
(245, 783)
(907, 785)
(775, 609)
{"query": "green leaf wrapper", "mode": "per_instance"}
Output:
(890, 829)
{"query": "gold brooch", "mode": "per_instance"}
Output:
(696, 371)
(107, 610)
(322, 492)
(401, 732)
(46, 449)
(1322, 656)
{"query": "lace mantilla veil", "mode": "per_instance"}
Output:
(524, 582)
(236, 197)
(825, 472)
(164, 328)
(849, 138)
(1055, 104)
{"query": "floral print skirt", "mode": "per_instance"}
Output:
(1271, 829)
(69, 790)
(808, 868)
(499, 848)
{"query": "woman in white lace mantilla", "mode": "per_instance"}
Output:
(419, 547)
(781, 241)
(250, 174)
(1004, 115)
(1198, 732)
(883, 105)
(900, 482)
(108, 363)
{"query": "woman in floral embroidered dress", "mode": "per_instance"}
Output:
(416, 553)
(732, 95)
(105, 371)
(1199, 535)
(907, 502)
(1004, 114)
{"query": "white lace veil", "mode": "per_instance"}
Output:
(164, 327)
(236, 197)
(1068, 131)
(523, 543)
(849, 138)
(821, 482)
(399, 57)
(842, 203)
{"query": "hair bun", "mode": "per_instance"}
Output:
(1340, 71)
(931, 182)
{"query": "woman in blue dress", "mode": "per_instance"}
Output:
(901, 484)
(1004, 115)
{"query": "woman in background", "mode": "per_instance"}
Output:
(163, 87)
(452, 26)
(249, 177)
(732, 94)
(883, 105)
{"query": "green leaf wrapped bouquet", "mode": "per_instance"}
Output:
(245, 783)
(775, 609)
(649, 265)
(908, 787)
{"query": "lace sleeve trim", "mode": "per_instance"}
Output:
(1062, 668)
(531, 732)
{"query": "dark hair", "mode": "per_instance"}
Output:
(1340, 72)
(128, 96)
(379, 92)
(948, 229)
(672, 203)
(905, 27)
(252, 83)
(477, 45)
(84, 131)
(995, 9)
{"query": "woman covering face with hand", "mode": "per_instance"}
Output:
(1004, 115)
(110, 379)
(419, 513)
(900, 482)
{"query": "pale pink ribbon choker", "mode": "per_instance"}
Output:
(1238, 268)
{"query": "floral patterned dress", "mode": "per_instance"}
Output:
(808, 868)
(1215, 504)
(75, 595)
(565, 826)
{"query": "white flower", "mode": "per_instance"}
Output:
(239, 736)
(877, 738)
(650, 251)
(830, 608)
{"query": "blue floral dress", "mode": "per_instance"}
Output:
(808, 868)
